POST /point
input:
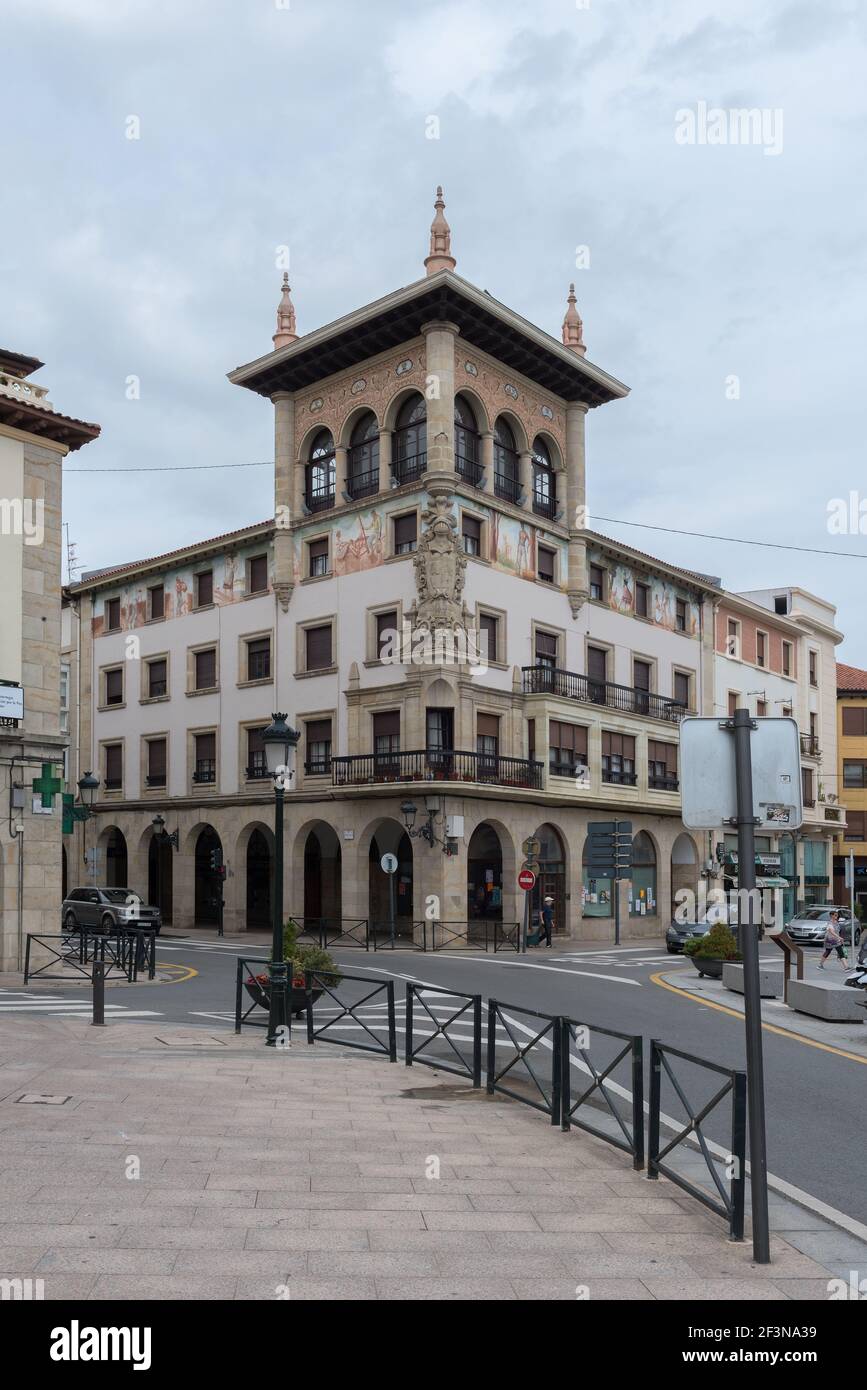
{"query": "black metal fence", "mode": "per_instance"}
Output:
(254, 982)
(456, 1059)
(318, 983)
(72, 953)
(400, 935)
(329, 932)
(535, 1080)
(730, 1205)
(595, 1053)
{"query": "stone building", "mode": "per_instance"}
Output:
(443, 628)
(852, 781)
(34, 439)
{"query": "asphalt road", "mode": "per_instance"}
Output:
(816, 1100)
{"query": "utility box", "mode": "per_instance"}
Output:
(454, 827)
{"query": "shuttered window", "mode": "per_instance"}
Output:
(114, 687)
(386, 626)
(546, 564)
(489, 631)
(156, 602)
(204, 583)
(855, 721)
(259, 659)
(472, 533)
(113, 765)
(112, 615)
(618, 758)
(157, 678)
(642, 601)
(546, 649)
(318, 743)
(405, 533)
(257, 572)
(318, 643)
(206, 669)
(662, 765)
(567, 748)
(487, 735)
(386, 732)
(156, 773)
(318, 557)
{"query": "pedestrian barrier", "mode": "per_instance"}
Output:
(413, 1052)
(540, 1084)
(249, 979)
(479, 934)
(580, 1052)
(400, 935)
(328, 932)
(731, 1201)
(323, 982)
(76, 951)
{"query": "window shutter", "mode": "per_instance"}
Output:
(405, 530)
(318, 647)
(157, 758)
(488, 725)
(489, 629)
(204, 588)
(206, 669)
(318, 731)
(255, 743)
(114, 687)
(617, 745)
(112, 614)
(258, 574)
(546, 644)
(387, 724)
(472, 529)
(206, 747)
(114, 763)
(546, 564)
(385, 624)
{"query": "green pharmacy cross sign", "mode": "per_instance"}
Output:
(47, 785)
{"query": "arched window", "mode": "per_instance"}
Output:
(643, 895)
(467, 443)
(409, 450)
(544, 480)
(362, 469)
(505, 463)
(319, 473)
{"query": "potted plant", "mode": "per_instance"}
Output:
(298, 960)
(710, 952)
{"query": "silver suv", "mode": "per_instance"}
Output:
(106, 909)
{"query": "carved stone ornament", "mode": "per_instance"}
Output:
(440, 565)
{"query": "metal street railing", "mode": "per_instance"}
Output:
(469, 1013)
(326, 983)
(76, 951)
(731, 1199)
(587, 1051)
(243, 974)
(328, 932)
(539, 1081)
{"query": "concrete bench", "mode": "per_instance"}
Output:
(837, 1004)
(770, 980)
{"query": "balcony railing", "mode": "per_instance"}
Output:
(548, 680)
(507, 488)
(156, 779)
(663, 784)
(317, 767)
(471, 471)
(364, 484)
(257, 771)
(430, 765)
(810, 745)
(544, 505)
(619, 779)
(206, 770)
(406, 470)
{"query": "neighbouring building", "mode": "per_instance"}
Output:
(775, 656)
(34, 439)
(852, 780)
(458, 650)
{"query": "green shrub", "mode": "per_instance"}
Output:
(719, 943)
(308, 957)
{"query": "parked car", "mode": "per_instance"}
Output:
(106, 909)
(679, 932)
(809, 926)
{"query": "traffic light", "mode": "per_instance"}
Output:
(216, 860)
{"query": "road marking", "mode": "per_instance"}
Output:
(769, 1027)
(181, 979)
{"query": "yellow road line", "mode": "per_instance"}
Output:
(188, 972)
(769, 1027)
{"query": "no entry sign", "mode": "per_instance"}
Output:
(526, 880)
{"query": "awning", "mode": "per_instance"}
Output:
(768, 882)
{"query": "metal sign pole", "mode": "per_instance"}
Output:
(391, 907)
(852, 905)
(742, 726)
(616, 882)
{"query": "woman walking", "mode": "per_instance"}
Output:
(833, 942)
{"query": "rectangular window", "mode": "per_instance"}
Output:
(680, 615)
(854, 772)
(734, 696)
(318, 647)
(114, 686)
(807, 786)
(597, 673)
(662, 765)
(257, 765)
(257, 574)
(206, 758)
(204, 588)
(487, 742)
(641, 685)
(856, 826)
(761, 644)
(546, 649)
(113, 766)
(472, 533)
(439, 735)
(733, 639)
(318, 558)
(206, 669)
(787, 658)
(781, 603)
(259, 659)
(489, 636)
(567, 748)
(855, 721)
(156, 603)
(386, 743)
(642, 600)
(317, 735)
(683, 688)
(597, 582)
(156, 762)
(405, 533)
(112, 615)
(618, 758)
(761, 708)
(545, 561)
(386, 631)
(157, 678)
(814, 668)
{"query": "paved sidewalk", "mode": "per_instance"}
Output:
(323, 1174)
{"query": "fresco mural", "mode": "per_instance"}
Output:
(663, 595)
(513, 545)
(230, 572)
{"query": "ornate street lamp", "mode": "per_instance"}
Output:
(280, 743)
(88, 786)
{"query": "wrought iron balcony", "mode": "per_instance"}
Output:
(436, 765)
(549, 680)
(206, 770)
(544, 504)
(471, 471)
(663, 784)
(618, 778)
(406, 470)
(363, 484)
(506, 487)
(257, 770)
(810, 746)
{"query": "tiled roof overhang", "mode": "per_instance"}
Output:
(484, 323)
(47, 424)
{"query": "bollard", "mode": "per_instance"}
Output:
(98, 990)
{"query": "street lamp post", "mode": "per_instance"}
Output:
(88, 785)
(280, 742)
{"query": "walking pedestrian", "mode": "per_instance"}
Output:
(833, 942)
(547, 916)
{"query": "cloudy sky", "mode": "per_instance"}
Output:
(725, 281)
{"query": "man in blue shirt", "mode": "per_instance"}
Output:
(547, 919)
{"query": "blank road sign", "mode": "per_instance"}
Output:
(707, 773)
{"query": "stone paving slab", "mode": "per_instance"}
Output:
(304, 1175)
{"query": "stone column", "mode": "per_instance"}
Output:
(576, 505)
(525, 477)
(488, 459)
(385, 437)
(440, 396)
(284, 495)
(341, 457)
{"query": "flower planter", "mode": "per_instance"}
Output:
(257, 988)
(712, 966)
